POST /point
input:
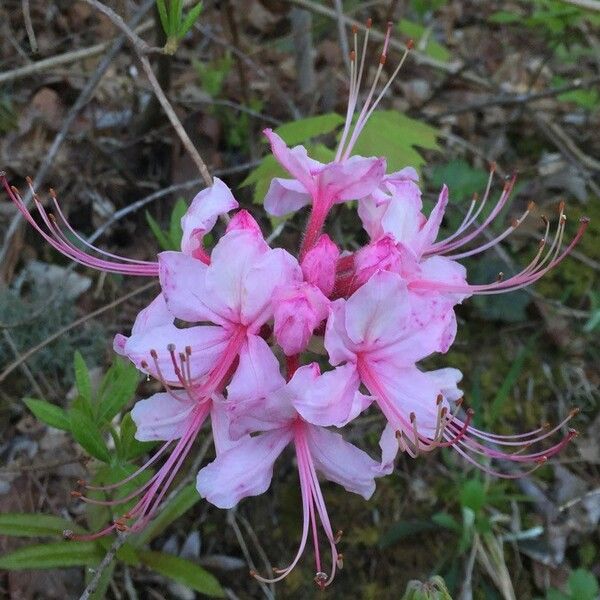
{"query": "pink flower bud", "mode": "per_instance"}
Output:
(298, 309)
(243, 220)
(318, 266)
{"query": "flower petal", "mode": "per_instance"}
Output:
(257, 374)
(327, 399)
(341, 462)
(202, 214)
(319, 264)
(244, 470)
(183, 280)
(161, 417)
(285, 196)
(220, 423)
(430, 231)
(351, 179)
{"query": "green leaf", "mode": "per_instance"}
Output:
(161, 238)
(583, 585)
(447, 521)
(33, 525)
(395, 136)
(49, 413)
(304, 130)
(404, 529)
(175, 230)
(505, 16)
(171, 511)
(86, 432)
(52, 556)
(117, 388)
(417, 32)
(82, 378)
(189, 20)
(162, 13)
(130, 447)
(183, 571)
(473, 495)
(461, 179)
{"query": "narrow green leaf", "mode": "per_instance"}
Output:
(473, 495)
(86, 432)
(117, 388)
(183, 571)
(49, 413)
(404, 529)
(53, 555)
(175, 230)
(304, 130)
(189, 20)
(130, 447)
(162, 13)
(33, 525)
(82, 378)
(158, 233)
(171, 511)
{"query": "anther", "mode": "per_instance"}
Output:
(82, 482)
(75, 494)
(29, 180)
(320, 579)
(413, 417)
(188, 350)
(352, 55)
(340, 561)
(574, 412)
(439, 399)
(67, 534)
(530, 205)
(369, 23)
(541, 460)
(171, 348)
(561, 206)
(52, 193)
(154, 353)
(144, 364)
(338, 536)
(410, 44)
(500, 276)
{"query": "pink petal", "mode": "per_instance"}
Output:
(337, 343)
(202, 214)
(295, 161)
(319, 264)
(351, 179)
(389, 449)
(207, 344)
(327, 399)
(385, 255)
(183, 280)
(220, 423)
(285, 196)
(431, 229)
(371, 211)
(244, 221)
(378, 311)
(244, 470)
(403, 219)
(341, 462)
(257, 374)
(161, 417)
(298, 309)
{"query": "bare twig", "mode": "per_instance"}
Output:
(588, 4)
(342, 33)
(142, 48)
(108, 558)
(34, 384)
(29, 26)
(73, 325)
(82, 100)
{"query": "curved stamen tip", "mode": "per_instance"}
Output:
(171, 347)
(52, 193)
(340, 561)
(153, 353)
(352, 56)
(354, 29)
(67, 534)
(531, 205)
(410, 44)
(2, 174)
(413, 417)
(188, 350)
(75, 494)
(82, 482)
(369, 23)
(561, 206)
(584, 221)
(338, 536)
(541, 460)
(144, 364)
(573, 433)
(470, 413)
(493, 166)
(574, 412)
(29, 180)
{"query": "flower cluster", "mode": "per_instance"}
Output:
(277, 350)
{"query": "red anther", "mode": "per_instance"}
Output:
(398, 434)
(572, 433)
(29, 180)
(144, 364)
(439, 399)
(127, 516)
(544, 219)
(352, 55)
(458, 402)
(67, 534)
(340, 561)
(15, 190)
(171, 347)
(514, 223)
(541, 460)
(338, 536)
(369, 23)
(475, 197)
(52, 217)
(52, 193)
(188, 350)
(354, 29)
(531, 205)
(500, 276)
(574, 411)
(120, 526)
(182, 357)
(561, 206)
(584, 221)
(75, 494)
(410, 44)
(412, 417)
(321, 579)
(382, 59)
(444, 411)
(153, 353)
(493, 166)
(82, 482)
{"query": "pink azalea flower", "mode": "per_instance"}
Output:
(246, 469)
(374, 331)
